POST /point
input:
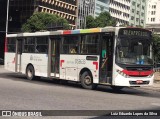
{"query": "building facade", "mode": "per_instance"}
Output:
(120, 10)
(153, 12)
(101, 6)
(21, 10)
(137, 13)
(153, 16)
(85, 8)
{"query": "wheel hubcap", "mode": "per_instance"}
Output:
(29, 73)
(88, 80)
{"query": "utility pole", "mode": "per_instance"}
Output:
(7, 17)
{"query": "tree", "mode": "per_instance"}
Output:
(90, 22)
(156, 47)
(104, 19)
(39, 21)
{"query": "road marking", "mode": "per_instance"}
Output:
(156, 104)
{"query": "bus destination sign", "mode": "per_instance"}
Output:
(134, 32)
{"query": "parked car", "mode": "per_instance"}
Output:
(1, 61)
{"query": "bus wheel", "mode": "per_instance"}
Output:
(30, 72)
(86, 81)
(117, 88)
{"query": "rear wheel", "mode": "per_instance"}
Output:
(87, 81)
(30, 73)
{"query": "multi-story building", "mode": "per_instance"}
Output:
(129, 12)
(153, 12)
(137, 13)
(153, 16)
(21, 10)
(85, 8)
(101, 6)
(120, 10)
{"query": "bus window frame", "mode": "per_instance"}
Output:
(99, 44)
(62, 44)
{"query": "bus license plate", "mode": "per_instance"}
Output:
(139, 81)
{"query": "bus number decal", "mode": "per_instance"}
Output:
(80, 61)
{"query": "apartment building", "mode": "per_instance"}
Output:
(153, 16)
(137, 13)
(153, 12)
(120, 10)
(101, 6)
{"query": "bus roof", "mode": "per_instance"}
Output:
(66, 32)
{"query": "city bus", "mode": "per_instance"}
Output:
(114, 56)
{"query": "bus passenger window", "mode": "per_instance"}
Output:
(70, 45)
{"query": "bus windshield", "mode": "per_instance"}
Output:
(133, 50)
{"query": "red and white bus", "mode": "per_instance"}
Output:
(115, 56)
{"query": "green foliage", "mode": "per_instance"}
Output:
(39, 21)
(90, 22)
(156, 47)
(104, 19)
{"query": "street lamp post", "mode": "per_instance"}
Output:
(7, 17)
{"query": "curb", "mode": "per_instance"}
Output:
(152, 88)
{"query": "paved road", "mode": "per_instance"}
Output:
(17, 93)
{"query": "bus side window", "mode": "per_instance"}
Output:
(70, 45)
(90, 44)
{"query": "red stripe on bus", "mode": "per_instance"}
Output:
(5, 47)
(138, 73)
(67, 32)
(96, 63)
(62, 61)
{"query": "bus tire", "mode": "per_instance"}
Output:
(87, 81)
(30, 73)
(117, 88)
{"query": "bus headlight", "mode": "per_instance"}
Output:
(122, 73)
(151, 74)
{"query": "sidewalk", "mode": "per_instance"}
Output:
(156, 84)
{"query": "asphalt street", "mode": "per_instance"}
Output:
(18, 93)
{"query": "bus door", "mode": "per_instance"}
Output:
(55, 56)
(106, 59)
(18, 63)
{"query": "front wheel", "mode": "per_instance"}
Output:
(87, 81)
(30, 73)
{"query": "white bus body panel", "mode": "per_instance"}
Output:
(122, 81)
(10, 61)
(71, 65)
(39, 62)
(119, 80)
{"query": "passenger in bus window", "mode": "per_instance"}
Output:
(73, 50)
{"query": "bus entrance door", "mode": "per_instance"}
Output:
(106, 61)
(18, 57)
(55, 55)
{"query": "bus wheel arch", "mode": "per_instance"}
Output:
(86, 79)
(30, 72)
